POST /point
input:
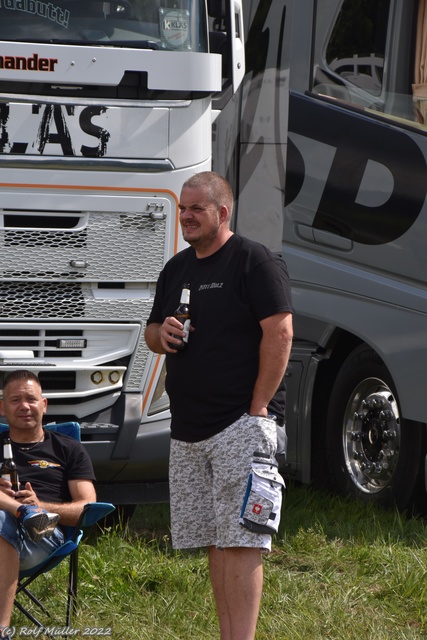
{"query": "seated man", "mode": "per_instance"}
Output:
(56, 480)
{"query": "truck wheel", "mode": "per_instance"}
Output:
(372, 453)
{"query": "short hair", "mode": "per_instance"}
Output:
(218, 188)
(21, 375)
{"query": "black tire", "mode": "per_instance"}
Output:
(120, 517)
(372, 452)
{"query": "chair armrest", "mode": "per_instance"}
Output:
(93, 512)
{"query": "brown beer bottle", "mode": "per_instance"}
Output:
(182, 314)
(9, 470)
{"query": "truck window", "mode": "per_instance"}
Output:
(154, 24)
(165, 26)
(356, 48)
(367, 59)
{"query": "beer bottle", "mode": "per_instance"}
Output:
(9, 470)
(182, 314)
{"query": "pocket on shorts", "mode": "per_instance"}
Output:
(262, 503)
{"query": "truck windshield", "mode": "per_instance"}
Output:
(153, 24)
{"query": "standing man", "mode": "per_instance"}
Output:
(223, 388)
(56, 481)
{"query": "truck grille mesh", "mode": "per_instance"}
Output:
(35, 300)
(96, 249)
(59, 301)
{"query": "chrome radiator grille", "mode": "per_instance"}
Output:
(65, 272)
(85, 246)
(66, 300)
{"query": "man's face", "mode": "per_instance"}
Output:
(23, 404)
(199, 218)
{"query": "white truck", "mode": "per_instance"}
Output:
(105, 110)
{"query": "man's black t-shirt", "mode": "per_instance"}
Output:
(50, 464)
(210, 383)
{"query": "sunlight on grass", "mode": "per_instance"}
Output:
(339, 570)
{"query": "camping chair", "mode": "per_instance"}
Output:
(92, 513)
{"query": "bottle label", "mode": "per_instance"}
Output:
(186, 329)
(7, 451)
(185, 296)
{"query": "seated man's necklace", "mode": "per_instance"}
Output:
(28, 447)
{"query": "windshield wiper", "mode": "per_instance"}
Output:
(131, 44)
(134, 44)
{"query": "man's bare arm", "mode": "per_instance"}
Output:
(82, 492)
(274, 354)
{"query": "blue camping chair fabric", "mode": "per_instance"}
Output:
(92, 513)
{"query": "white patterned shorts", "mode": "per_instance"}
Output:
(208, 481)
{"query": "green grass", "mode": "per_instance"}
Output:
(339, 570)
